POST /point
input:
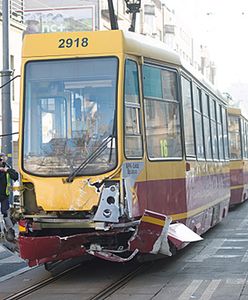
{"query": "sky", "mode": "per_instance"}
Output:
(223, 26)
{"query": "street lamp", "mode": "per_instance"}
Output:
(133, 7)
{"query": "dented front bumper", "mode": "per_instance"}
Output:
(151, 234)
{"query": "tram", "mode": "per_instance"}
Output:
(238, 144)
(122, 149)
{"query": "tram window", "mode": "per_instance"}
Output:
(207, 141)
(205, 100)
(197, 98)
(153, 76)
(225, 134)
(161, 113)
(133, 137)
(246, 140)
(69, 113)
(198, 122)
(220, 131)
(188, 117)
(168, 85)
(245, 149)
(234, 137)
(206, 126)
(214, 129)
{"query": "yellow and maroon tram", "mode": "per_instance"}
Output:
(238, 145)
(122, 149)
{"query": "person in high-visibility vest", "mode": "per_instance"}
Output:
(6, 174)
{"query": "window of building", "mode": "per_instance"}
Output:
(133, 137)
(149, 19)
(162, 119)
(188, 117)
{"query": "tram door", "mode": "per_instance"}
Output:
(163, 138)
(133, 138)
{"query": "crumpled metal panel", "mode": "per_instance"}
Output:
(151, 235)
(39, 250)
(113, 257)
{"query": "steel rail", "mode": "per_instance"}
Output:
(113, 287)
(39, 285)
(103, 294)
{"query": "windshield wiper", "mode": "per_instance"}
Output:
(92, 156)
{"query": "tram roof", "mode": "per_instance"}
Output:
(235, 111)
(99, 42)
(111, 42)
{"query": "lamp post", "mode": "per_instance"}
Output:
(133, 7)
(112, 16)
(6, 74)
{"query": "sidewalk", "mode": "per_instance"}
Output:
(10, 264)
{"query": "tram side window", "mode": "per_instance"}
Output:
(188, 117)
(220, 131)
(213, 129)
(245, 140)
(244, 137)
(225, 133)
(198, 122)
(162, 120)
(206, 126)
(133, 137)
(234, 137)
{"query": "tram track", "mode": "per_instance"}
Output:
(113, 287)
(110, 289)
(28, 291)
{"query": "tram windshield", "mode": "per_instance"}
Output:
(69, 110)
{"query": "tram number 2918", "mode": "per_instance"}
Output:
(78, 42)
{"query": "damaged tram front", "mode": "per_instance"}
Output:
(82, 155)
(79, 192)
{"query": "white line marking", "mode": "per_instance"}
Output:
(237, 240)
(8, 276)
(236, 281)
(241, 233)
(245, 257)
(190, 290)
(225, 256)
(11, 260)
(207, 294)
(209, 251)
(231, 248)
